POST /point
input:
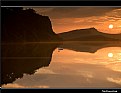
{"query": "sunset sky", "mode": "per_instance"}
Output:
(70, 18)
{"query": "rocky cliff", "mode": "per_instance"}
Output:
(20, 25)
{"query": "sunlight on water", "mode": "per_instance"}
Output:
(99, 57)
(71, 69)
(110, 54)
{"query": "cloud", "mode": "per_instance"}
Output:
(43, 10)
(73, 12)
(116, 13)
(69, 18)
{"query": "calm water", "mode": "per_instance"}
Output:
(76, 66)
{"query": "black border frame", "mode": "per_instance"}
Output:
(60, 3)
(8, 3)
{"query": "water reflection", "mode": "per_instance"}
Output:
(89, 46)
(19, 59)
(68, 68)
(110, 54)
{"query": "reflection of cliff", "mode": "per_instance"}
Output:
(91, 46)
(24, 58)
(25, 25)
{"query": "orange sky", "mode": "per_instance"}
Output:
(70, 18)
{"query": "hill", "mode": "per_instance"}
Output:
(90, 34)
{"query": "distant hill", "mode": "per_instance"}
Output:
(90, 34)
(20, 25)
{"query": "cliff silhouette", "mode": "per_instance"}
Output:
(21, 49)
(89, 34)
(20, 25)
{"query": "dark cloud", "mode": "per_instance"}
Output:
(74, 12)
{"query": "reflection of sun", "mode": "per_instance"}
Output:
(110, 54)
(110, 26)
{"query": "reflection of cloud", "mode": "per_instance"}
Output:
(71, 75)
(44, 71)
(117, 80)
(86, 74)
(20, 86)
(115, 66)
(12, 86)
(89, 71)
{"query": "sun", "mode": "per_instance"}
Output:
(110, 26)
(110, 54)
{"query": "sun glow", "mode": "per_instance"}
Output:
(110, 26)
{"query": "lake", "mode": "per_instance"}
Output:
(75, 65)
